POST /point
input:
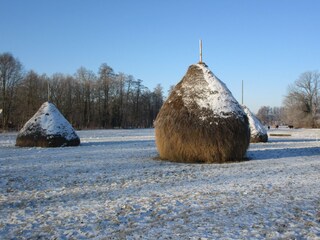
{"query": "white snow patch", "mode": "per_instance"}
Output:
(111, 187)
(51, 121)
(214, 95)
(256, 128)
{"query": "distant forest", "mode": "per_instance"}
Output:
(106, 99)
(87, 99)
(301, 105)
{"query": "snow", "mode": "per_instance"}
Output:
(51, 121)
(113, 187)
(256, 128)
(213, 95)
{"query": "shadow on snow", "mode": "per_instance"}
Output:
(282, 153)
(115, 143)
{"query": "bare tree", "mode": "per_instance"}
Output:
(137, 102)
(271, 115)
(10, 76)
(264, 115)
(87, 100)
(32, 92)
(157, 100)
(62, 94)
(106, 80)
(302, 100)
(86, 79)
(118, 100)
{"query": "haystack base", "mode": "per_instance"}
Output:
(45, 141)
(210, 141)
(259, 138)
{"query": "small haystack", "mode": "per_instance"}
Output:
(257, 130)
(47, 128)
(201, 121)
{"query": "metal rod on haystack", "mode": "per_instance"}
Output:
(242, 94)
(200, 48)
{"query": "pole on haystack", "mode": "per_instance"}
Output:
(200, 49)
(242, 94)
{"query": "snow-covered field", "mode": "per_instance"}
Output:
(113, 187)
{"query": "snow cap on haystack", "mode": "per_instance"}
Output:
(257, 130)
(201, 121)
(47, 128)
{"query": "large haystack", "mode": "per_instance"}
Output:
(47, 128)
(201, 121)
(257, 130)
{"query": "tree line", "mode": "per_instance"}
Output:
(271, 116)
(301, 105)
(87, 99)
(117, 100)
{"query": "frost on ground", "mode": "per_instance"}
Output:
(111, 186)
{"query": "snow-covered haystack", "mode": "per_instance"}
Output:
(47, 128)
(201, 121)
(257, 130)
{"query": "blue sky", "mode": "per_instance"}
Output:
(265, 43)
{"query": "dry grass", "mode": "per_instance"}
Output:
(280, 135)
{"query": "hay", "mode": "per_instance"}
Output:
(201, 122)
(280, 135)
(257, 130)
(40, 140)
(47, 128)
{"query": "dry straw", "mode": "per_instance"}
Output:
(188, 132)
